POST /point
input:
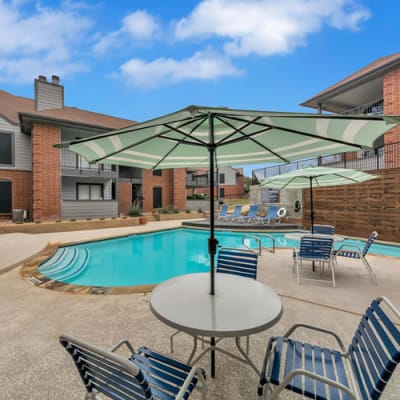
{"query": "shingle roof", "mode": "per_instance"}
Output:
(11, 106)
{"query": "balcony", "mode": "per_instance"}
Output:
(74, 165)
(384, 157)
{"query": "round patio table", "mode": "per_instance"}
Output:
(240, 307)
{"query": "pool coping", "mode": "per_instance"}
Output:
(30, 266)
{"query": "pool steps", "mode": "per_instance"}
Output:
(66, 263)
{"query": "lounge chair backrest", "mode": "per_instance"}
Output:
(106, 372)
(316, 247)
(375, 350)
(224, 209)
(370, 240)
(235, 261)
(272, 212)
(253, 211)
(237, 210)
(324, 229)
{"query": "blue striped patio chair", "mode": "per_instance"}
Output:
(317, 249)
(146, 374)
(360, 373)
(351, 251)
(324, 229)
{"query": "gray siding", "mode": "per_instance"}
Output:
(22, 147)
(48, 95)
(230, 175)
(88, 209)
(69, 186)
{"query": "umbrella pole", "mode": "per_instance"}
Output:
(311, 207)
(212, 241)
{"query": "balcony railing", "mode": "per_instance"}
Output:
(375, 107)
(78, 165)
(385, 157)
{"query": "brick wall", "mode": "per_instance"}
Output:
(21, 186)
(46, 166)
(357, 210)
(149, 182)
(179, 190)
(391, 95)
(124, 197)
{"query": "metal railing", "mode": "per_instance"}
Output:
(72, 161)
(248, 239)
(385, 157)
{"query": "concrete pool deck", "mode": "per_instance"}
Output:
(33, 364)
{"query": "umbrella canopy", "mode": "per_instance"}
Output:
(198, 136)
(316, 177)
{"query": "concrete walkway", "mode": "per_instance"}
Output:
(33, 364)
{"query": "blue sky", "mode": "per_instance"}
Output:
(141, 59)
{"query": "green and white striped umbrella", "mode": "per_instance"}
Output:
(185, 138)
(211, 137)
(316, 177)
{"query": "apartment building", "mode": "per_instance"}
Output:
(229, 182)
(53, 184)
(374, 89)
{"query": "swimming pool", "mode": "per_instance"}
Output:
(151, 258)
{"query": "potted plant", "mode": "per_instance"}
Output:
(137, 212)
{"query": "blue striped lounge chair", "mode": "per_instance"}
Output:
(272, 215)
(145, 374)
(359, 373)
(251, 215)
(222, 212)
(235, 214)
(351, 251)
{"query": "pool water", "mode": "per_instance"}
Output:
(154, 257)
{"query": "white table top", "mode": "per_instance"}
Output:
(299, 235)
(240, 307)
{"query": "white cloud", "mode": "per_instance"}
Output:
(43, 42)
(203, 65)
(266, 27)
(138, 27)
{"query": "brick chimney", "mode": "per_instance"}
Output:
(48, 95)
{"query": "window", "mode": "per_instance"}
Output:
(6, 148)
(157, 172)
(5, 197)
(89, 191)
(221, 178)
(221, 192)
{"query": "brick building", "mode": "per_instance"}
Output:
(229, 182)
(58, 184)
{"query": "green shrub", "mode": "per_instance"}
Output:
(169, 210)
(135, 212)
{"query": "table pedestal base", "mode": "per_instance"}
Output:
(212, 347)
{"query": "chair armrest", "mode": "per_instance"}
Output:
(123, 342)
(316, 328)
(348, 246)
(194, 371)
(322, 379)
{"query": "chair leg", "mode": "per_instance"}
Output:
(298, 271)
(331, 265)
(171, 341)
(369, 269)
